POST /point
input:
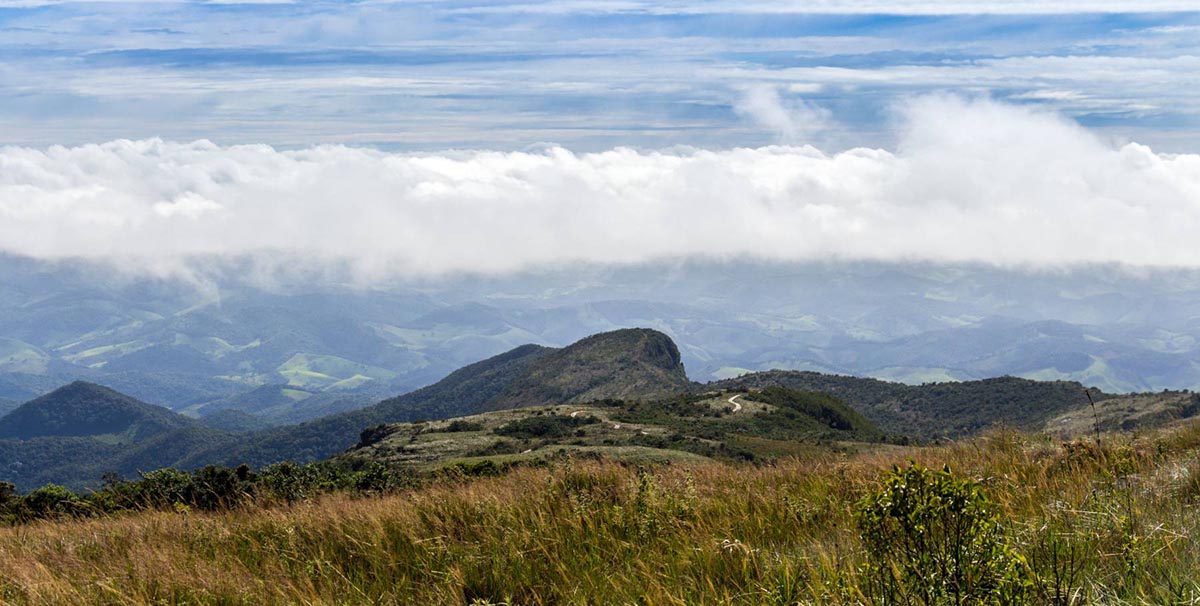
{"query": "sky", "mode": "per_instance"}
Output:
(585, 74)
(430, 137)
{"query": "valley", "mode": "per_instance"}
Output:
(206, 345)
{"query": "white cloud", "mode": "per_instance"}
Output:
(971, 180)
(1050, 95)
(793, 120)
(187, 205)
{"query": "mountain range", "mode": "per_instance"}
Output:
(81, 431)
(232, 338)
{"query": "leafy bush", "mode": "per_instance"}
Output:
(287, 481)
(499, 447)
(460, 425)
(8, 493)
(934, 540)
(49, 501)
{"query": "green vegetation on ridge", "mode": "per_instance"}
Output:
(935, 409)
(638, 367)
(766, 425)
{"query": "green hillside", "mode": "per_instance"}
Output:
(81, 431)
(85, 409)
(935, 409)
(20, 357)
(80, 460)
(766, 424)
(276, 405)
(1125, 413)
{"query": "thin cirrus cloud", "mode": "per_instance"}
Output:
(970, 180)
(900, 7)
(892, 7)
(589, 75)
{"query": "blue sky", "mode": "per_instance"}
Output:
(584, 74)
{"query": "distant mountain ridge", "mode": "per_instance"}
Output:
(167, 343)
(80, 431)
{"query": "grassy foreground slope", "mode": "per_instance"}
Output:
(1076, 523)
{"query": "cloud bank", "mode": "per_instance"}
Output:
(969, 181)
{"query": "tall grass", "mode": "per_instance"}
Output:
(1090, 525)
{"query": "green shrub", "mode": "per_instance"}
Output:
(287, 482)
(549, 426)
(934, 540)
(49, 501)
(215, 487)
(8, 493)
(460, 425)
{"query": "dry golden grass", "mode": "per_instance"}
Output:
(603, 533)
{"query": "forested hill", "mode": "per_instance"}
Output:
(84, 409)
(935, 409)
(78, 432)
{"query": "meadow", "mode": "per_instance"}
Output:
(1016, 519)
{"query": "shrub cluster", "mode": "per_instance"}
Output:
(208, 488)
(547, 426)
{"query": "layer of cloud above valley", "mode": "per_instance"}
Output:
(969, 180)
